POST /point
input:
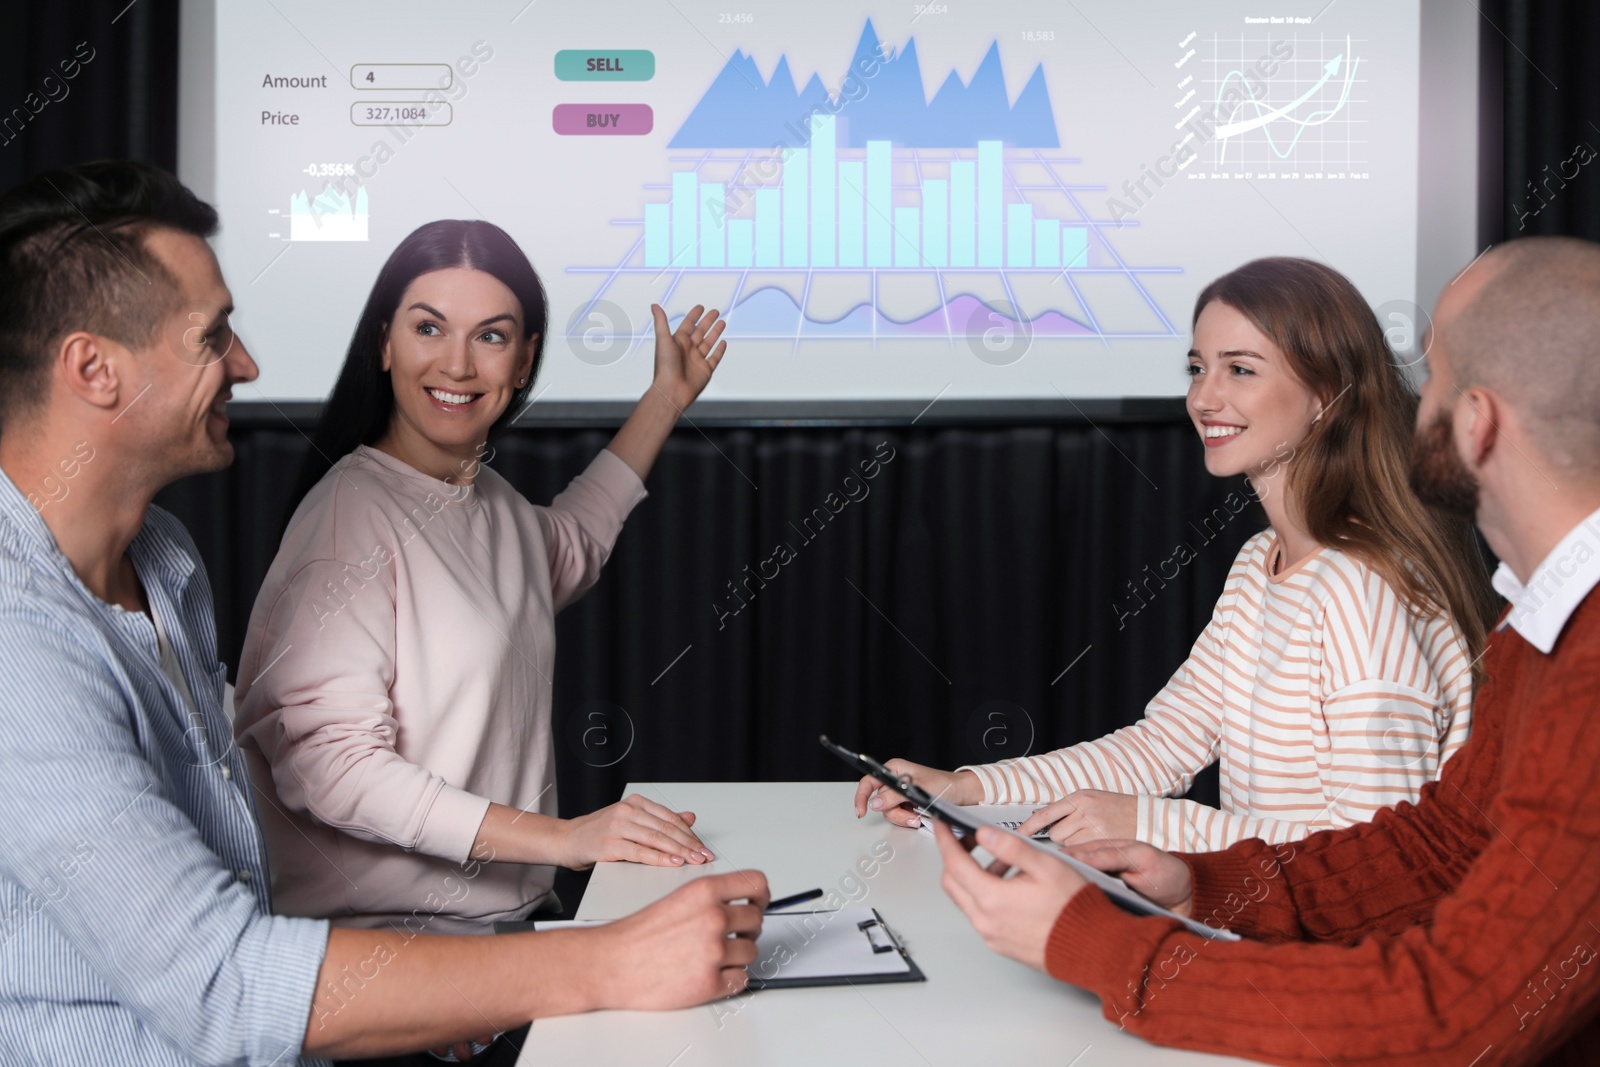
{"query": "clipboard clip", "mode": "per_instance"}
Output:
(879, 936)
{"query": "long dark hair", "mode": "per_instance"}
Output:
(362, 403)
(1351, 475)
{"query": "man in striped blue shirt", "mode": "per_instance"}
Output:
(135, 910)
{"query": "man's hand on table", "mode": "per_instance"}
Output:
(677, 953)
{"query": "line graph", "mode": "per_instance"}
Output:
(1306, 118)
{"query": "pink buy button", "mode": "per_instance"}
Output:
(610, 120)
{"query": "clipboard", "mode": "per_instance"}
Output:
(964, 822)
(850, 946)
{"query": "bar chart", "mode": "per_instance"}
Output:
(878, 213)
(832, 213)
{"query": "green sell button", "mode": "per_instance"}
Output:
(594, 65)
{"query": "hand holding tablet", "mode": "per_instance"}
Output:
(964, 822)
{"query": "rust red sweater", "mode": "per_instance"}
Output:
(1464, 930)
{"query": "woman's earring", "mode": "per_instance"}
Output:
(521, 382)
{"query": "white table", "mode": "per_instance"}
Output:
(976, 1008)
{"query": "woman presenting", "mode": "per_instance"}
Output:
(395, 686)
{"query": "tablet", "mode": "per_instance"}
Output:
(964, 822)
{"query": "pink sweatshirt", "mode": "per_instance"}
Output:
(396, 679)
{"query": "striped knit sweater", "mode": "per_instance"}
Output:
(1321, 697)
(1462, 930)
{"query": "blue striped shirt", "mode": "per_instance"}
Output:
(135, 910)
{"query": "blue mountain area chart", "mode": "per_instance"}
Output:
(875, 213)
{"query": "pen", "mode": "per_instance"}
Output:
(798, 898)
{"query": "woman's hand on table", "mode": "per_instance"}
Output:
(1086, 815)
(634, 830)
(956, 787)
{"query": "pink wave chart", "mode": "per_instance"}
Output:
(771, 312)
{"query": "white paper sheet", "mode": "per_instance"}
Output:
(1010, 816)
(808, 944)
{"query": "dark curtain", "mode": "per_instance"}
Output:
(1552, 116)
(122, 103)
(969, 601)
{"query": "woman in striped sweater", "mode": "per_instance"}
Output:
(1336, 674)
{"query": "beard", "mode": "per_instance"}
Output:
(1438, 476)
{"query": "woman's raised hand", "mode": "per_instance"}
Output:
(685, 357)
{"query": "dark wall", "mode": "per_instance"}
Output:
(1552, 116)
(933, 618)
(122, 101)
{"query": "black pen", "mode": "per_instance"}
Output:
(798, 898)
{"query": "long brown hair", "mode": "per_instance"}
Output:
(1349, 479)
